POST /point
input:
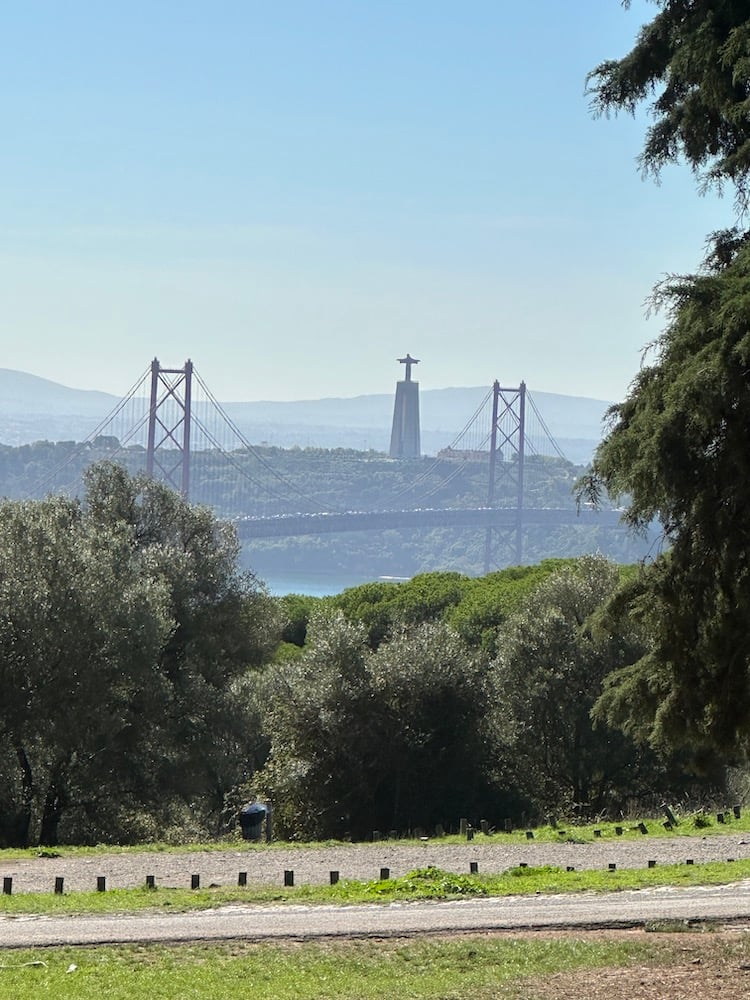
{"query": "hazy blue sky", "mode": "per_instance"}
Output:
(294, 194)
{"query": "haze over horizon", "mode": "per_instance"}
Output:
(294, 197)
(12, 372)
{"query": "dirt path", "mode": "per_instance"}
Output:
(360, 861)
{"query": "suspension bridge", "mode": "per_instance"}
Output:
(501, 474)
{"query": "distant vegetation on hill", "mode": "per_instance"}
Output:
(337, 480)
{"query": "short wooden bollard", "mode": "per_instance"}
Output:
(288, 877)
(612, 866)
(719, 817)
(730, 861)
(473, 867)
(376, 835)
(469, 833)
(570, 868)
(463, 825)
(101, 883)
(334, 877)
(59, 881)
(393, 834)
(439, 831)
(522, 864)
(643, 828)
(385, 874)
(195, 881)
(597, 833)
(150, 881)
(485, 827)
(618, 831)
(7, 886)
(242, 879)
(667, 826)
(737, 812)
(652, 864)
(529, 834)
(689, 861)
(508, 825)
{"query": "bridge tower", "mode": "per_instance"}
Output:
(507, 449)
(168, 448)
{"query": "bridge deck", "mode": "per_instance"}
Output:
(470, 517)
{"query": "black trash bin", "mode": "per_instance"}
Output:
(252, 818)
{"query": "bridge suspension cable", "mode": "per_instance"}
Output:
(255, 453)
(74, 456)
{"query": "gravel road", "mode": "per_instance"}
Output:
(358, 861)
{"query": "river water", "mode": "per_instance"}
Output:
(322, 585)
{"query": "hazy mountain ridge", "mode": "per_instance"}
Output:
(33, 408)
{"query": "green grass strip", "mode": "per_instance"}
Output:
(477, 967)
(424, 883)
(690, 825)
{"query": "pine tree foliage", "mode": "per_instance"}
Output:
(692, 62)
(678, 447)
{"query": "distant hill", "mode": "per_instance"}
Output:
(33, 409)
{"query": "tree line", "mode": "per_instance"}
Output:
(149, 684)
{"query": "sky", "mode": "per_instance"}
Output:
(296, 194)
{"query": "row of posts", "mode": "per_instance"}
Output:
(385, 874)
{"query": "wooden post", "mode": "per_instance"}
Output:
(612, 866)
(670, 815)
(150, 882)
(101, 883)
(652, 864)
(473, 867)
(737, 812)
(242, 879)
(385, 874)
(195, 881)
(529, 834)
(7, 885)
(618, 831)
(719, 817)
(643, 828)
(334, 877)
(462, 826)
(288, 877)
(485, 826)
(597, 833)
(59, 885)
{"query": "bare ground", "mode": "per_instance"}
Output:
(693, 966)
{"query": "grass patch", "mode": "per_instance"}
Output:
(423, 883)
(479, 967)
